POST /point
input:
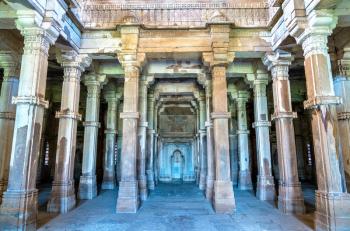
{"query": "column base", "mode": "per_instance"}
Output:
(18, 210)
(3, 185)
(108, 182)
(87, 187)
(62, 197)
(245, 180)
(224, 200)
(332, 211)
(202, 181)
(143, 188)
(291, 199)
(209, 190)
(150, 180)
(128, 197)
(265, 190)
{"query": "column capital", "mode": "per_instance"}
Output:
(67, 114)
(93, 79)
(10, 62)
(283, 115)
(344, 65)
(278, 63)
(73, 63)
(242, 97)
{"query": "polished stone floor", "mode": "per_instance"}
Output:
(174, 207)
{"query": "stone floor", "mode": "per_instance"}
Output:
(174, 207)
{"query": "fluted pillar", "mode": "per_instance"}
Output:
(224, 201)
(109, 176)
(128, 195)
(202, 142)
(332, 201)
(290, 195)
(87, 184)
(143, 124)
(19, 205)
(265, 184)
(9, 89)
(62, 197)
(342, 89)
(150, 142)
(244, 175)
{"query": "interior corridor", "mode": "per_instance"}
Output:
(174, 207)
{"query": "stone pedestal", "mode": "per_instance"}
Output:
(109, 181)
(244, 175)
(265, 189)
(9, 89)
(18, 210)
(63, 192)
(128, 195)
(332, 203)
(87, 184)
(290, 198)
(143, 124)
(223, 199)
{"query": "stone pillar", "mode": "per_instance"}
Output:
(332, 201)
(128, 195)
(342, 89)
(143, 124)
(290, 195)
(233, 145)
(202, 143)
(109, 181)
(19, 205)
(150, 142)
(244, 175)
(87, 184)
(62, 197)
(265, 184)
(224, 201)
(209, 190)
(9, 89)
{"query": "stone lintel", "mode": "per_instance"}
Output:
(284, 115)
(261, 124)
(316, 101)
(33, 100)
(68, 115)
(129, 115)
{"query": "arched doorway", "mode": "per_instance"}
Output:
(177, 163)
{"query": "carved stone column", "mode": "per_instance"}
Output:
(143, 124)
(290, 195)
(332, 201)
(209, 190)
(63, 192)
(87, 184)
(265, 185)
(150, 142)
(233, 144)
(224, 201)
(109, 181)
(202, 143)
(9, 89)
(19, 205)
(342, 89)
(244, 175)
(128, 196)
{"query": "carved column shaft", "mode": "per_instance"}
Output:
(265, 185)
(88, 185)
(244, 176)
(128, 196)
(19, 205)
(150, 142)
(109, 181)
(202, 143)
(143, 124)
(223, 191)
(290, 198)
(63, 192)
